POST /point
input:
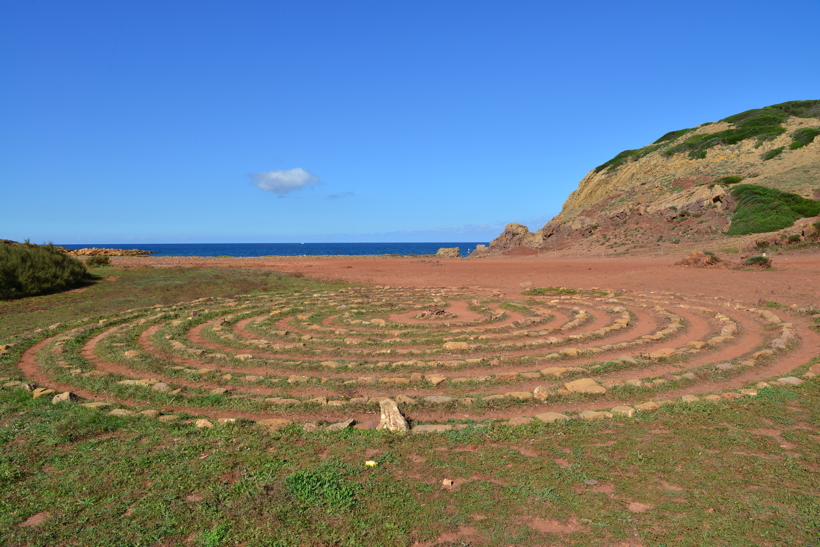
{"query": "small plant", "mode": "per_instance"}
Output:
(773, 153)
(762, 244)
(712, 255)
(325, 486)
(794, 238)
(759, 261)
(100, 260)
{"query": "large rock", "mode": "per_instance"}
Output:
(449, 252)
(391, 417)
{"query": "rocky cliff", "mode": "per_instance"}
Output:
(679, 187)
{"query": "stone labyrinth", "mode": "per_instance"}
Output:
(446, 356)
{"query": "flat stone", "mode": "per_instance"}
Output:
(725, 366)
(338, 426)
(438, 399)
(623, 410)
(435, 379)
(161, 386)
(150, 413)
(585, 385)
(274, 424)
(689, 398)
(520, 420)
(553, 371)
(219, 391)
(663, 353)
(431, 428)
(594, 415)
(97, 405)
(168, 418)
(456, 346)
(202, 423)
(791, 380)
(297, 379)
(521, 395)
(405, 400)
(712, 397)
(42, 392)
(649, 405)
(282, 401)
(550, 417)
(64, 397)
(121, 412)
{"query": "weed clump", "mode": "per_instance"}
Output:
(759, 261)
(760, 209)
(100, 260)
(29, 270)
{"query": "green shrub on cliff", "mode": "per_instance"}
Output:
(803, 136)
(28, 270)
(760, 209)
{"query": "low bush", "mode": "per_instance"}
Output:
(803, 136)
(93, 261)
(773, 153)
(760, 209)
(794, 238)
(760, 261)
(28, 270)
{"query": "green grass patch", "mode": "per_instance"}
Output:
(773, 153)
(760, 209)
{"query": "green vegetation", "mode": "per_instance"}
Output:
(762, 261)
(28, 270)
(728, 180)
(804, 136)
(760, 209)
(763, 124)
(773, 153)
(237, 484)
(627, 156)
(93, 261)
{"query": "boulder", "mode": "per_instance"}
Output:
(391, 417)
(449, 252)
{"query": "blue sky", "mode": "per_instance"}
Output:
(242, 121)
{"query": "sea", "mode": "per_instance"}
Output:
(285, 249)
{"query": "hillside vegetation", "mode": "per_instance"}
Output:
(753, 172)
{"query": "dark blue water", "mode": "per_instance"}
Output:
(284, 249)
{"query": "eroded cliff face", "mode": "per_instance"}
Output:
(657, 198)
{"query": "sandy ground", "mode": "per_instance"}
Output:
(795, 278)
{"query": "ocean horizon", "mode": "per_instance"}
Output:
(284, 249)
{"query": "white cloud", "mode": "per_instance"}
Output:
(284, 181)
(341, 195)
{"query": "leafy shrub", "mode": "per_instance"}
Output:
(28, 270)
(102, 260)
(761, 261)
(803, 136)
(672, 135)
(794, 238)
(760, 209)
(773, 153)
(762, 244)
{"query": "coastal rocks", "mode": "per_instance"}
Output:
(449, 252)
(94, 251)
